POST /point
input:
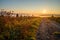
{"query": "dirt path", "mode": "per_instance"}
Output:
(46, 29)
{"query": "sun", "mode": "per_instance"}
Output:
(44, 11)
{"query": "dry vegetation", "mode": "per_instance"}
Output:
(18, 28)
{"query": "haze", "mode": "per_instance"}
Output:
(31, 6)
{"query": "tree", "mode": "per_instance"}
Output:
(17, 15)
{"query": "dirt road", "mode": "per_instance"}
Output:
(46, 29)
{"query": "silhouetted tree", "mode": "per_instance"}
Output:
(2, 12)
(52, 16)
(17, 15)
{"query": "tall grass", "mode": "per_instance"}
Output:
(19, 28)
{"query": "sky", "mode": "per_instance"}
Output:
(31, 6)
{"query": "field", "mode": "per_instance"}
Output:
(57, 19)
(18, 28)
(29, 28)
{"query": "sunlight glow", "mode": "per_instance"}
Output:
(44, 11)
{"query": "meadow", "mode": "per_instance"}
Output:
(18, 28)
(57, 19)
